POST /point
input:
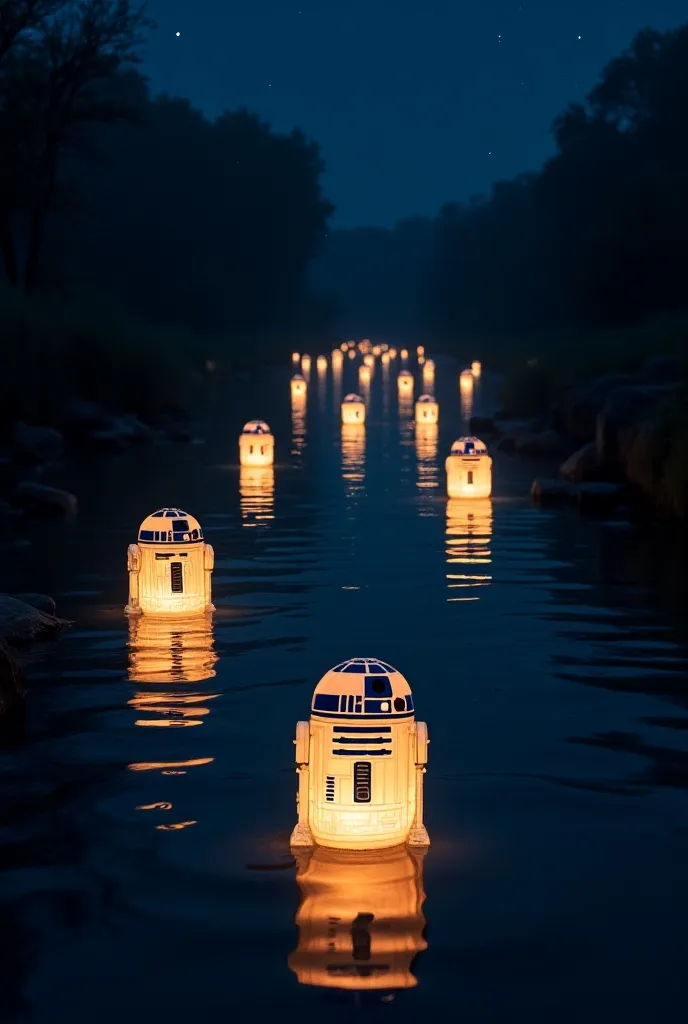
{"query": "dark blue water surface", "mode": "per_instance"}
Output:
(145, 871)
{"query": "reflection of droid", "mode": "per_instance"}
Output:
(171, 651)
(360, 761)
(360, 920)
(256, 444)
(469, 469)
(170, 567)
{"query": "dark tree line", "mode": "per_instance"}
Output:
(597, 238)
(207, 224)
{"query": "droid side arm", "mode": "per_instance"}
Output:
(419, 834)
(208, 566)
(133, 568)
(301, 836)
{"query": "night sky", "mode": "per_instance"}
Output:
(414, 102)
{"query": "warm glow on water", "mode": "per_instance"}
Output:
(147, 802)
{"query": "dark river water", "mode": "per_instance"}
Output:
(145, 871)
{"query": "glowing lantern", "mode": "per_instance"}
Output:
(466, 380)
(420, 351)
(384, 347)
(298, 386)
(469, 531)
(351, 344)
(392, 353)
(364, 375)
(256, 444)
(427, 410)
(352, 353)
(321, 364)
(360, 919)
(385, 359)
(369, 360)
(337, 359)
(360, 761)
(306, 364)
(171, 650)
(404, 354)
(405, 383)
(376, 350)
(295, 357)
(256, 495)
(170, 567)
(428, 371)
(469, 469)
(353, 409)
(476, 368)
(421, 360)
(345, 345)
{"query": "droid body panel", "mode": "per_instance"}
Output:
(361, 760)
(256, 444)
(427, 410)
(360, 919)
(469, 469)
(170, 567)
(353, 409)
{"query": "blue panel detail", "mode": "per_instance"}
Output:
(363, 753)
(378, 686)
(357, 667)
(326, 702)
(363, 728)
(146, 535)
(374, 707)
(409, 702)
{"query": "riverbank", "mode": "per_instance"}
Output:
(613, 408)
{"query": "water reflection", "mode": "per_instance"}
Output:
(469, 533)
(426, 454)
(353, 457)
(257, 495)
(171, 650)
(466, 405)
(298, 424)
(360, 920)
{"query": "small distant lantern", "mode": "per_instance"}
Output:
(404, 354)
(376, 350)
(428, 371)
(298, 386)
(360, 919)
(170, 566)
(427, 409)
(337, 357)
(385, 359)
(321, 364)
(392, 353)
(369, 360)
(466, 380)
(469, 469)
(306, 364)
(351, 344)
(345, 346)
(420, 351)
(405, 383)
(476, 368)
(352, 353)
(353, 409)
(256, 444)
(421, 360)
(360, 761)
(296, 357)
(364, 374)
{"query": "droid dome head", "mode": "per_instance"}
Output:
(170, 526)
(426, 400)
(353, 399)
(256, 427)
(363, 686)
(469, 446)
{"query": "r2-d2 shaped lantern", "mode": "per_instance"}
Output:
(256, 444)
(360, 762)
(427, 410)
(353, 409)
(170, 567)
(469, 469)
(298, 386)
(405, 382)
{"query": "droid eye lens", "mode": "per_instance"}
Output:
(378, 686)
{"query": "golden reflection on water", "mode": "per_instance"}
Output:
(426, 454)
(360, 920)
(353, 457)
(257, 495)
(466, 405)
(468, 536)
(298, 424)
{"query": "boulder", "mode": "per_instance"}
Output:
(542, 444)
(21, 622)
(625, 408)
(131, 429)
(40, 601)
(36, 444)
(553, 491)
(36, 497)
(582, 465)
(599, 498)
(574, 410)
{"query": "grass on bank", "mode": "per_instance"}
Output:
(54, 350)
